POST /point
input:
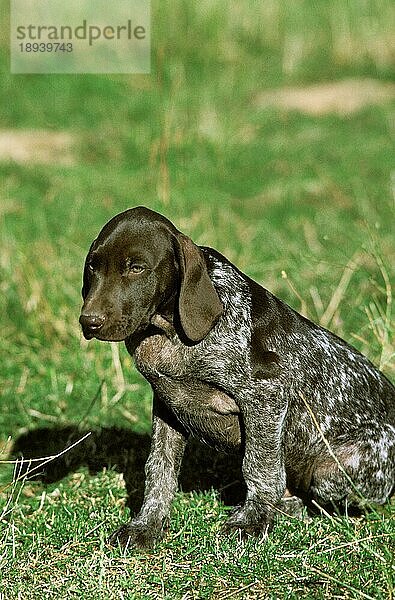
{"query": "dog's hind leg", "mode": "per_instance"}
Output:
(359, 472)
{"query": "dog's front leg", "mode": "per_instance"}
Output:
(263, 464)
(161, 470)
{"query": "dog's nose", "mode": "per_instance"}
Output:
(91, 323)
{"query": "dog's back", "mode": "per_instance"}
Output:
(339, 432)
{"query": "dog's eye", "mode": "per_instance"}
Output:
(90, 267)
(136, 269)
(132, 268)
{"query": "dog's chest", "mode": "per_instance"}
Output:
(157, 355)
(206, 412)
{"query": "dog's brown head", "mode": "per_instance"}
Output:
(140, 266)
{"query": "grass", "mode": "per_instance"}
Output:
(304, 204)
(61, 535)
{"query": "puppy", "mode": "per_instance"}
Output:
(233, 365)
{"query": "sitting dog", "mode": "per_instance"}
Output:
(233, 365)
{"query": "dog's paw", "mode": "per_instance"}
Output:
(250, 519)
(292, 506)
(136, 535)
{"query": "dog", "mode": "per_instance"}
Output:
(234, 366)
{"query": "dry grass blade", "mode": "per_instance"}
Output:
(341, 583)
(237, 591)
(329, 448)
(351, 267)
(42, 461)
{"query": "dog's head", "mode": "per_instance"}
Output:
(140, 266)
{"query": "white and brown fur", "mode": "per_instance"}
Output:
(232, 365)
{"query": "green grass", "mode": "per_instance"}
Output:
(303, 204)
(326, 559)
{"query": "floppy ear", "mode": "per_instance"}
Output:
(199, 304)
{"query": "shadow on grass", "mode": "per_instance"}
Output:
(127, 451)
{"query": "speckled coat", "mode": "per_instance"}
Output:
(232, 365)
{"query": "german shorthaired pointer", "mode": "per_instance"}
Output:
(231, 364)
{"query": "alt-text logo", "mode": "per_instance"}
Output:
(80, 36)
